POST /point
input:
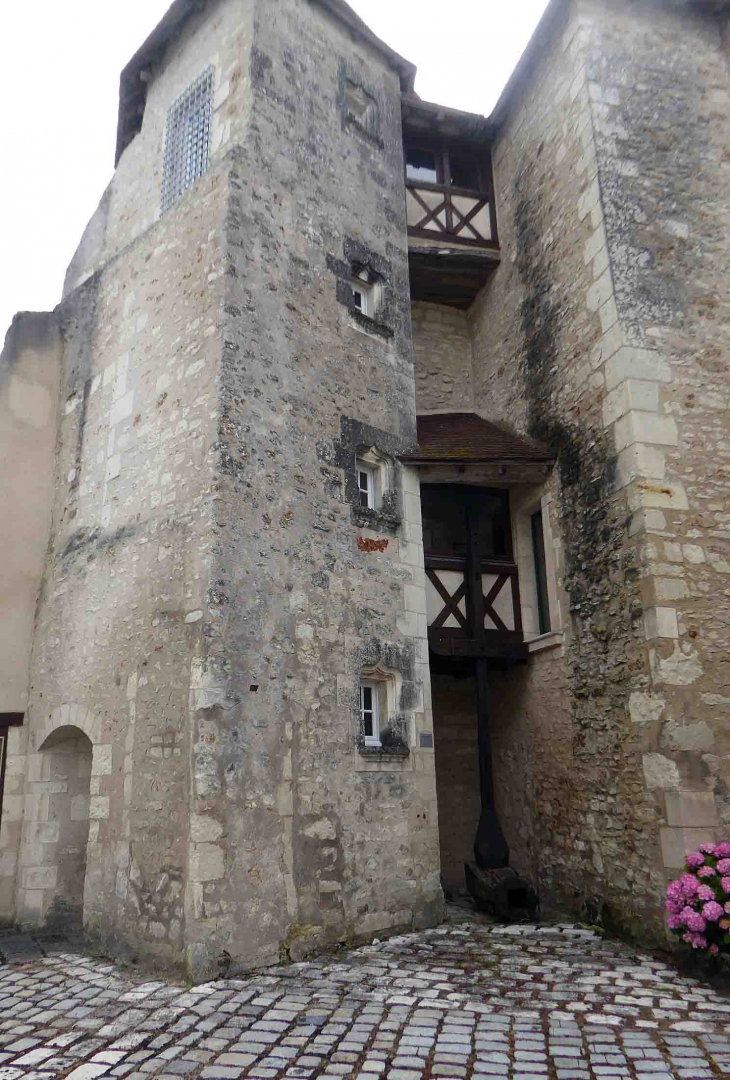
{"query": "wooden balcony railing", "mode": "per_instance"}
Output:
(451, 611)
(455, 215)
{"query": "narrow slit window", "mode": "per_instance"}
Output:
(366, 486)
(370, 713)
(538, 549)
(187, 139)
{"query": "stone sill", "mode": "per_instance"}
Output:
(384, 753)
(553, 640)
(376, 520)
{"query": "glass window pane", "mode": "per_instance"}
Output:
(444, 521)
(464, 171)
(493, 528)
(421, 165)
(538, 547)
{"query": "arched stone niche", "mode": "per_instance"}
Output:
(61, 796)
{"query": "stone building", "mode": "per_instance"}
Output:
(369, 490)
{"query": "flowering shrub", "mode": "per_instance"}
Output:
(698, 903)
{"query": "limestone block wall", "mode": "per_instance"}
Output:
(298, 840)
(30, 373)
(30, 370)
(564, 772)
(219, 36)
(602, 333)
(443, 358)
(666, 200)
(127, 577)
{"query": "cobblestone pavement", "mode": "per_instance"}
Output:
(467, 1000)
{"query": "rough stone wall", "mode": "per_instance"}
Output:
(301, 840)
(213, 590)
(602, 334)
(456, 738)
(534, 768)
(119, 625)
(539, 328)
(443, 359)
(662, 147)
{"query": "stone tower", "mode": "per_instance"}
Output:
(213, 588)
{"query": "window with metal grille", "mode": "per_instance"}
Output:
(187, 139)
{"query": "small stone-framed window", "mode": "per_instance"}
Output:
(370, 712)
(187, 139)
(366, 484)
(365, 288)
(374, 476)
(363, 294)
(365, 291)
(382, 730)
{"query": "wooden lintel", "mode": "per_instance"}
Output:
(469, 649)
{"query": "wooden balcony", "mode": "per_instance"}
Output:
(451, 611)
(450, 214)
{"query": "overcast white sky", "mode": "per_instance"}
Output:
(59, 75)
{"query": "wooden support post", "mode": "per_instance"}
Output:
(486, 772)
(490, 847)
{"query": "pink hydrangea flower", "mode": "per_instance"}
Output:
(690, 884)
(708, 848)
(712, 911)
(723, 850)
(726, 884)
(675, 906)
(674, 889)
(705, 871)
(723, 867)
(704, 893)
(693, 920)
(695, 858)
(697, 941)
(674, 922)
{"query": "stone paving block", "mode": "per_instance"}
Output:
(374, 997)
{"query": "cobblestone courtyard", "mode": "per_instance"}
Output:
(464, 1000)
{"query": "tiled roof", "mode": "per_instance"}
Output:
(467, 438)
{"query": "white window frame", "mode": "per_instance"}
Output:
(374, 712)
(525, 502)
(365, 300)
(363, 469)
